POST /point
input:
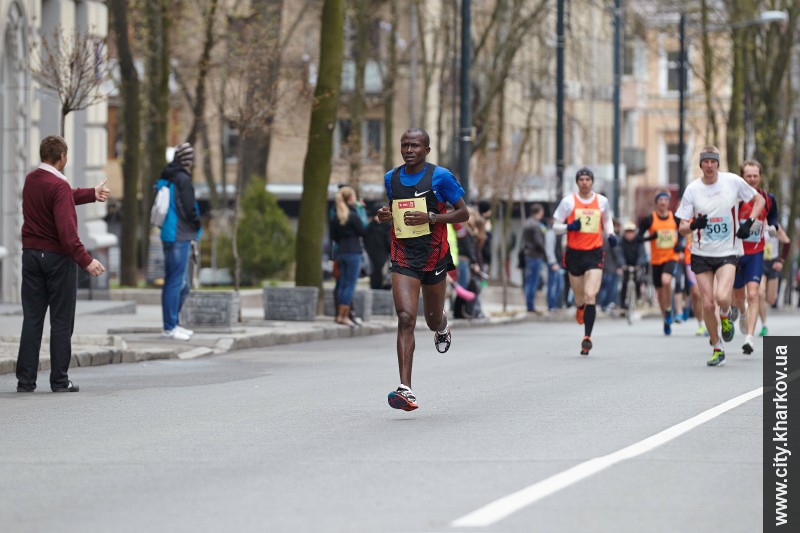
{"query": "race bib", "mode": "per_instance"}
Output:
(719, 228)
(590, 220)
(769, 253)
(753, 237)
(666, 239)
(399, 208)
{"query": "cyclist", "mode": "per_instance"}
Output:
(712, 201)
(586, 217)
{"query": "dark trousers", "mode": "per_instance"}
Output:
(48, 280)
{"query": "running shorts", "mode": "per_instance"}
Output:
(665, 268)
(768, 271)
(427, 277)
(749, 269)
(702, 264)
(579, 261)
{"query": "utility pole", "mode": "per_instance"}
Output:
(560, 102)
(682, 107)
(466, 97)
(617, 82)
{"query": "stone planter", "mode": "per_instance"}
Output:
(362, 302)
(290, 303)
(211, 309)
(382, 303)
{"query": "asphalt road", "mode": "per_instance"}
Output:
(299, 438)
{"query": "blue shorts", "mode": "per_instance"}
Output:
(749, 269)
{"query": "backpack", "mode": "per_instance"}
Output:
(160, 206)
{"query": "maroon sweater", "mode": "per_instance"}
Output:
(50, 222)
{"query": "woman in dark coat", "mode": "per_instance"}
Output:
(346, 231)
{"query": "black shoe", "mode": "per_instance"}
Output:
(26, 388)
(71, 387)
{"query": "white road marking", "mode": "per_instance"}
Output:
(506, 506)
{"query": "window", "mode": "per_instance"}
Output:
(674, 71)
(673, 163)
(230, 142)
(371, 135)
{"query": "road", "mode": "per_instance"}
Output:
(299, 438)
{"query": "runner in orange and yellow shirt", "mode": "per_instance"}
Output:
(661, 227)
(585, 217)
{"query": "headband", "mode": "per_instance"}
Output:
(662, 193)
(709, 155)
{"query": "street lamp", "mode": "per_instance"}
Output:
(766, 17)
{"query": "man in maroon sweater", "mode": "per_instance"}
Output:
(51, 253)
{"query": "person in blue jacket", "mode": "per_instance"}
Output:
(181, 226)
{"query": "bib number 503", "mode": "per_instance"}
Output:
(719, 229)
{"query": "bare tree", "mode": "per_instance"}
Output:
(73, 66)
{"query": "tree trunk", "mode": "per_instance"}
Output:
(317, 164)
(388, 91)
(131, 149)
(157, 69)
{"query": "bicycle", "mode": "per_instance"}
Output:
(630, 293)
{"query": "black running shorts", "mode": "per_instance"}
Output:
(670, 267)
(702, 264)
(579, 261)
(427, 277)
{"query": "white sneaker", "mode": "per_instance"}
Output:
(187, 331)
(176, 334)
(747, 348)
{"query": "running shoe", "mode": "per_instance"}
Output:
(743, 321)
(734, 314)
(686, 314)
(764, 332)
(442, 340)
(586, 345)
(727, 329)
(403, 398)
(747, 348)
(579, 314)
(667, 328)
(717, 358)
(701, 330)
(668, 316)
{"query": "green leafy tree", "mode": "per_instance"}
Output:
(265, 237)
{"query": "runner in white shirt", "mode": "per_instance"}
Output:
(709, 211)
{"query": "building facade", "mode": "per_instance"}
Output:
(27, 114)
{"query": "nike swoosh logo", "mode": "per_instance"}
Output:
(418, 194)
(439, 271)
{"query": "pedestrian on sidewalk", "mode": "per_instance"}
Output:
(347, 230)
(51, 253)
(180, 229)
(419, 192)
(534, 246)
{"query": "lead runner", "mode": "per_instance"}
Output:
(419, 193)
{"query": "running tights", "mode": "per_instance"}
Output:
(588, 319)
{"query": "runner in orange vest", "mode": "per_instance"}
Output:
(661, 227)
(585, 217)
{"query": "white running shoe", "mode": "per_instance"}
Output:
(177, 334)
(187, 331)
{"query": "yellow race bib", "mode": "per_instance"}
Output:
(399, 207)
(590, 220)
(665, 239)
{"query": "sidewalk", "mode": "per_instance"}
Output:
(109, 331)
